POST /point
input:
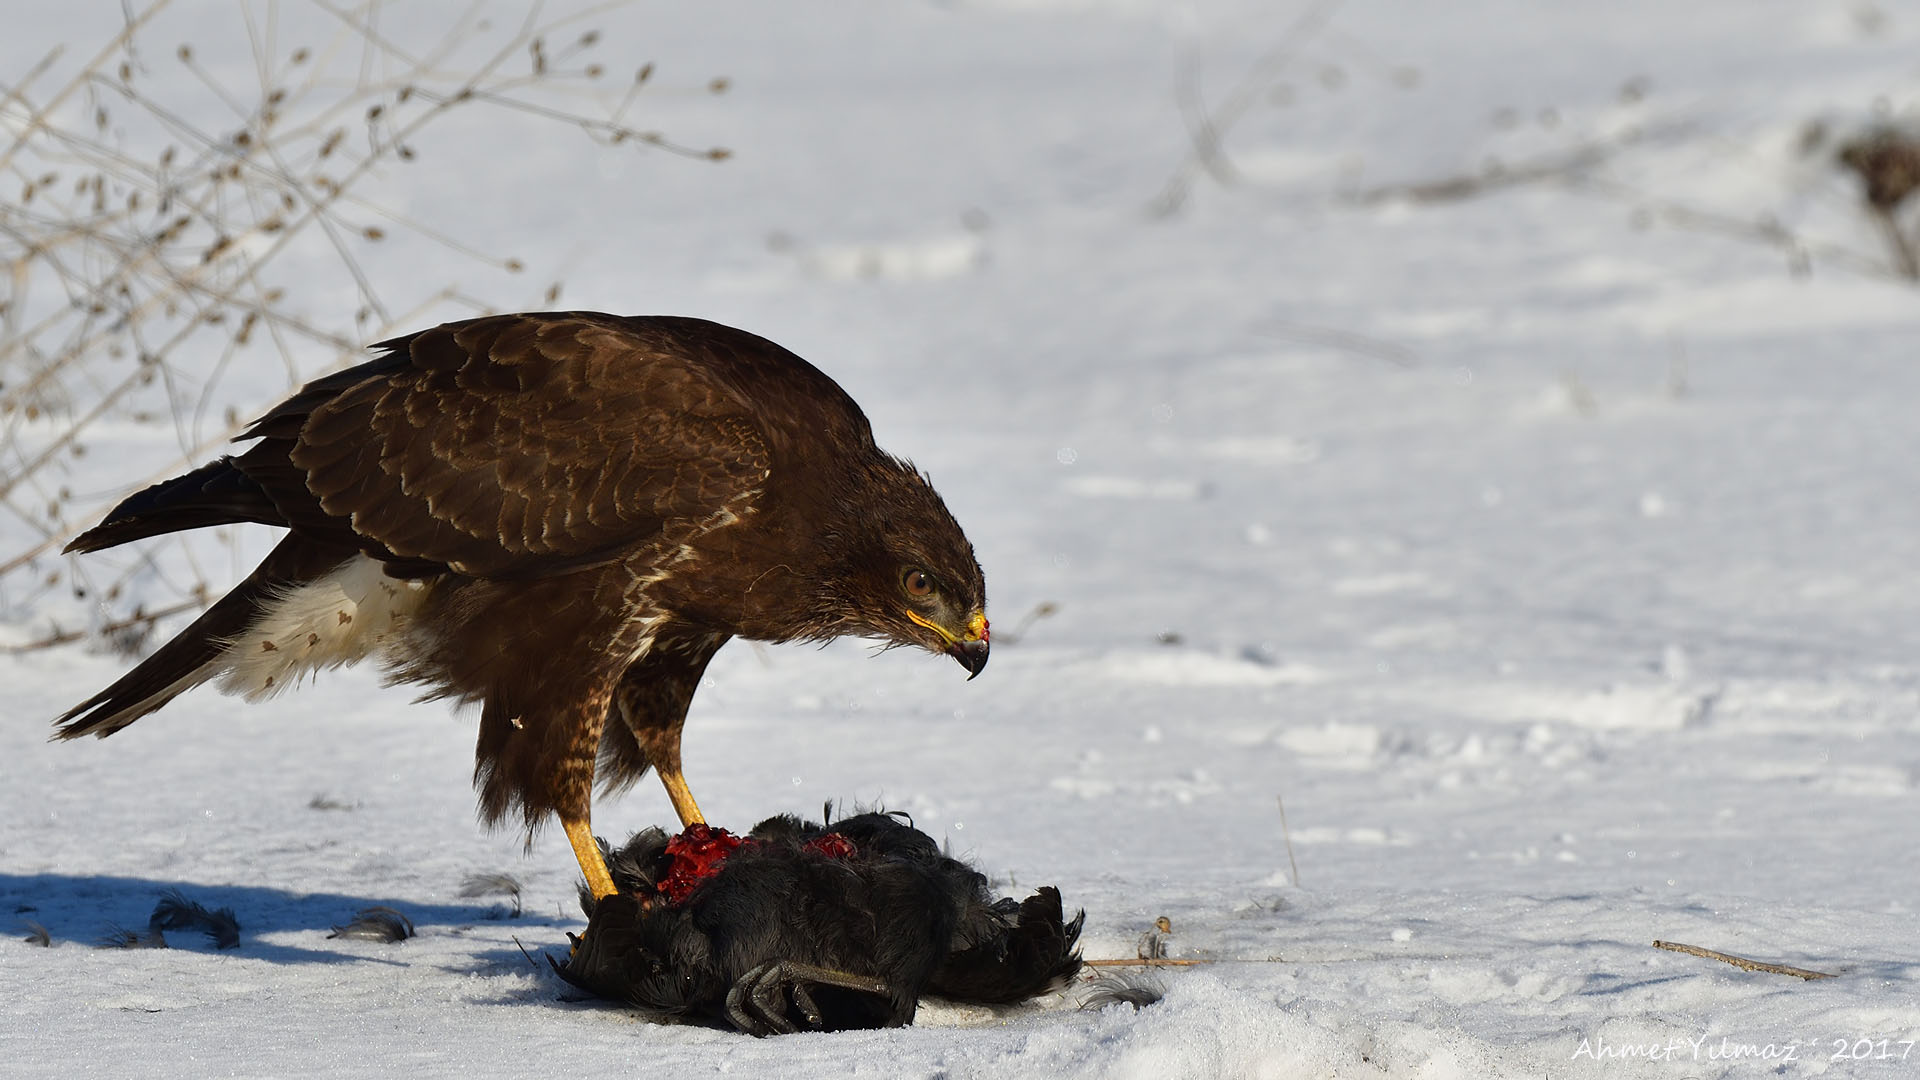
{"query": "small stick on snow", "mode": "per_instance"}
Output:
(1287, 835)
(1145, 961)
(1742, 962)
(523, 952)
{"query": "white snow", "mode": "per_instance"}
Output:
(1552, 561)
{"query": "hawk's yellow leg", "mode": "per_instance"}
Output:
(587, 850)
(678, 791)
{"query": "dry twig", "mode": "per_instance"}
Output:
(1286, 834)
(1571, 164)
(1146, 961)
(1742, 962)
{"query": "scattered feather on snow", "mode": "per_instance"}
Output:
(176, 912)
(477, 885)
(1138, 989)
(376, 924)
(119, 937)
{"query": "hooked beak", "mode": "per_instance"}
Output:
(969, 647)
(971, 654)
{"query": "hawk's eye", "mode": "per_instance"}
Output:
(917, 583)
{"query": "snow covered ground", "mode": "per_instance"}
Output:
(1543, 549)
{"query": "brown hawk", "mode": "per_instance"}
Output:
(561, 517)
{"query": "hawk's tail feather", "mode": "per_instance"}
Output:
(214, 494)
(194, 655)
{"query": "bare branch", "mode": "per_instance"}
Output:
(148, 256)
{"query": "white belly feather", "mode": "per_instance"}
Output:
(353, 612)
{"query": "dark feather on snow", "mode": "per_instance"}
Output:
(490, 885)
(176, 912)
(376, 924)
(506, 885)
(1123, 988)
(38, 935)
(119, 937)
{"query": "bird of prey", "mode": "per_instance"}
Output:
(561, 517)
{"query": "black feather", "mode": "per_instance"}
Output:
(213, 494)
(506, 885)
(376, 924)
(176, 912)
(1119, 988)
(119, 937)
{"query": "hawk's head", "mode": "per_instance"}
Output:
(904, 572)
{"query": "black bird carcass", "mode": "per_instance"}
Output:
(798, 926)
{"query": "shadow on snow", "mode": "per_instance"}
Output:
(88, 910)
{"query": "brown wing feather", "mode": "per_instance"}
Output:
(512, 446)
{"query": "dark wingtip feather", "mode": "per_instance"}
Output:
(187, 660)
(111, 709)
(216, 493)
(136, 693)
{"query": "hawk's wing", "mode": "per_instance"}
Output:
(514, 445)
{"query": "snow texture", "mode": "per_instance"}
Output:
(1545, 557)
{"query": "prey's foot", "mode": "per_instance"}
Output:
(758, 1002)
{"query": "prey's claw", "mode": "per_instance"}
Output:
(757, 1001)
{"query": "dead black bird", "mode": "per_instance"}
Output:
(798, 926)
